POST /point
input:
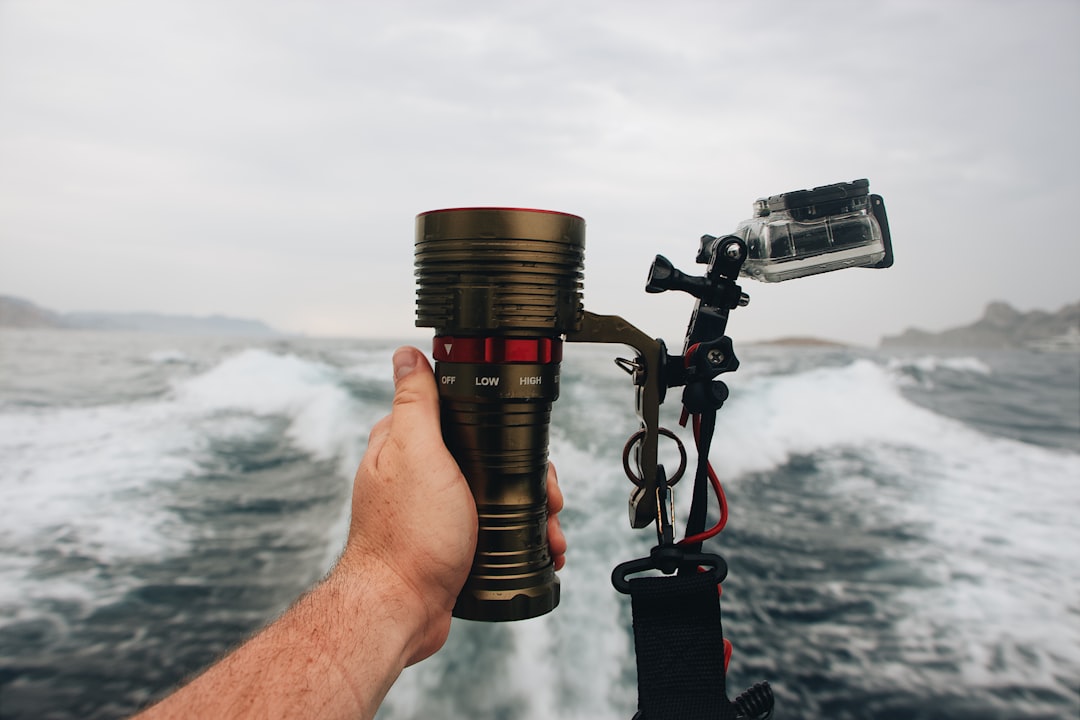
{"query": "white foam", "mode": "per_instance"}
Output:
(67, 472)
(370, 364)
(920, 371)
(1002, 531)
(999, 514)
(95, 481)
(324, 420)
(770, 419)
(933, 363)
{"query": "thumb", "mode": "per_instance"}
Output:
(416, 397)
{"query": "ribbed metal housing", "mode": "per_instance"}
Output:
(499, 271)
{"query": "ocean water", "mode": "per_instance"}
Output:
(902, 542)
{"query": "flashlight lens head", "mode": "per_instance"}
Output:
(499, 271)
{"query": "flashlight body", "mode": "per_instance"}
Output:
(495, 419)
(501, 287)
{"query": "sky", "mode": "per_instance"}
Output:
(266, 159)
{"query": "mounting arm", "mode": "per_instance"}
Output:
(647, 374)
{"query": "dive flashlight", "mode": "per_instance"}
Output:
(501, 287)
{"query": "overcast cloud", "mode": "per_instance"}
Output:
(266, 159)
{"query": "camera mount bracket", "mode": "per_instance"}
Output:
(707, 353)
(647, 374)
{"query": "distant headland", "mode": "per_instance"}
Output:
(23, 314)
(1001, 327)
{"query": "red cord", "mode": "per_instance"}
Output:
(689, 352)
(717, 488)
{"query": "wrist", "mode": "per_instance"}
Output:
(378, 605)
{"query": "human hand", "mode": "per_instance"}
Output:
(414, 521)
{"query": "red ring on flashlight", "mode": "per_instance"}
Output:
(495, 350)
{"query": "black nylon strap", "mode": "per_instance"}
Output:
(680, 648)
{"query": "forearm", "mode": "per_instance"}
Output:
(334, 654)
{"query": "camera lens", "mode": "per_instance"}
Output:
(501, 286)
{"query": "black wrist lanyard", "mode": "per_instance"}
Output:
(680, 648)
(678, 636)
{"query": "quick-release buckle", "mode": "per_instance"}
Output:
(667, 559)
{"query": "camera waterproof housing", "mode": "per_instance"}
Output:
(807, 232)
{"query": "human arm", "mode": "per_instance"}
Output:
(386, 604)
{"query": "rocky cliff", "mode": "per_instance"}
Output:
(1001, 326)
(18, 313)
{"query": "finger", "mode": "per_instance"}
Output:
(555, 496)
(556, 538)
(416, 398)
(556, 542)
